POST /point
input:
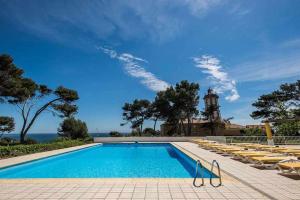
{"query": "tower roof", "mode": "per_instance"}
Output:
(210, 93)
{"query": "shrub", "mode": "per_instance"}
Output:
(18, 150)
(291, 128)
(115, 134)
(73, 128)
(7, 141)
(252, 132)
(150, 132)
(30, 141)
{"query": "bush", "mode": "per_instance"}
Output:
(115, 134)
(252, 132)
(150, 132)
(7, 141)
(18, 150)
(73, 128)
(30, 141)
(291, 128)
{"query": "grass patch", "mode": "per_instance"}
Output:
(21, 149)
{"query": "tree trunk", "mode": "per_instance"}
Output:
(154, 127)
(189, 127)
(182, 127)
(141, 131)
(212, 130)
(25, 127)
(22, 138)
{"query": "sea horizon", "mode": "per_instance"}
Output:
(47, 137)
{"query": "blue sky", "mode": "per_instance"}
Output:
(112, 52)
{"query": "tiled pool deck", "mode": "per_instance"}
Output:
(276, 186)
(266, 181)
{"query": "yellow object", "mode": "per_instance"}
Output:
(271, 159)
(295, 165)
(268, 130)
(292, 167)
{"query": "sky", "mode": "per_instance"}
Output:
(113, 52)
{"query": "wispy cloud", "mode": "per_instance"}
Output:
(239, 10)
(294, 43)
(223, 84)
(273, 67)
(134, 67)
(60, 20)
(200, 7)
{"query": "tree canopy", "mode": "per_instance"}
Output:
(136, 113)
(30, 98)
(282, 104)
(180, 103)
(173, 105)
(73, 128)
(282, 108)
(6, 125)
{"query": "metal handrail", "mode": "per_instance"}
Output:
(198, 163)
(219, 174)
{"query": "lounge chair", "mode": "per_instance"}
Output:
(228, 149)
(296, 155)
(268, 161)
(211, 146)
(254, 146)
(289, 151)
(290, 167)
(273, 149)
(247, 155)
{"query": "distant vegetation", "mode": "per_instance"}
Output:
(115, 134)
(174, 105)
(7, 124)
(252, 132)
(22, 149)
(73, 128)
(281, 108)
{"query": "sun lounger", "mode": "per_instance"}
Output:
(254, 146)
(268, 161)
(249, 152)
(289, 167)
(227, 150)
(296, 155)
(246, 156)
(211, 146)
(273, 149)
(289, 151)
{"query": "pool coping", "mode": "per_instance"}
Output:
(206, 164)
(19, 160)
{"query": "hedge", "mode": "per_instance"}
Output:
(19, 150)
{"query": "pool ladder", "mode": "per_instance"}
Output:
(198, 164)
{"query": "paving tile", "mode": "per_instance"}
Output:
(268, 181)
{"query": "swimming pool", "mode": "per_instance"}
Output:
(141, 160)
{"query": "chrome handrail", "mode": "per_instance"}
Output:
(219, 174)
(198, 163)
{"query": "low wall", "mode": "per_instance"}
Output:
(142, 139)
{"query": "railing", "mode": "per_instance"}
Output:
(278, 140)
(211, 174)
(198, 164)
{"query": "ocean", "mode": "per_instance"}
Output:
(46, 137)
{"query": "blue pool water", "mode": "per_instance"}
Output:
(110, 161)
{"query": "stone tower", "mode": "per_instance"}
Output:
(211, 101)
